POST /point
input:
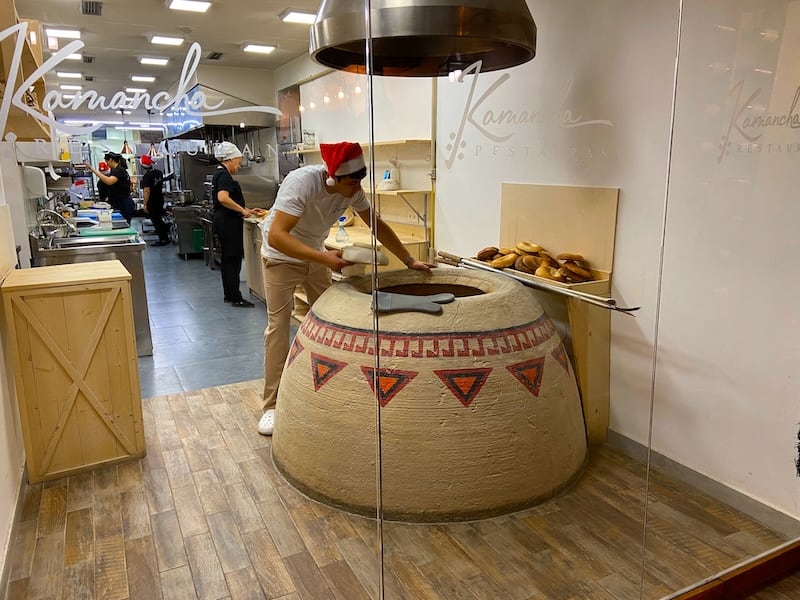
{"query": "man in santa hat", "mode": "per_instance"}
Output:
(153, 194)
(310, 200)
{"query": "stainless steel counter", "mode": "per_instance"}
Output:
(126, 249)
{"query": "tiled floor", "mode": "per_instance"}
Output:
(198, 340)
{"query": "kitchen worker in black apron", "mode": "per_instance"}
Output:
(229, 210)
(119, 184)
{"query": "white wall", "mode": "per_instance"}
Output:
(592, 108)
(401, 108)
(727, 392)
(11, 449)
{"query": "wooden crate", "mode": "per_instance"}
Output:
(579, 220)
(70, 336)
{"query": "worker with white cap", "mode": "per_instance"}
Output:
(229, 210)
(310, 200)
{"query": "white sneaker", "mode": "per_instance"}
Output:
(267, 422)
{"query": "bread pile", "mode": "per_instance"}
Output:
(535, 260)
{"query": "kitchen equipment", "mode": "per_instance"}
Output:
(538, 283)
(423, 39)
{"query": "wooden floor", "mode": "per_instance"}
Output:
(206, 515)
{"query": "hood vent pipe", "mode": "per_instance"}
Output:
(423, 38)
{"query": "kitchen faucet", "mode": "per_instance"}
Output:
(45, 215)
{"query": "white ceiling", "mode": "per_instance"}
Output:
(119, 36)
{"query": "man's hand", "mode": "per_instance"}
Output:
(420, 266)
(334, 261)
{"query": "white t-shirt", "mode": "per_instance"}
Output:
(302, 194)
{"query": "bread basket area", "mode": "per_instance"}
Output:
(563, 219)
(577, 220)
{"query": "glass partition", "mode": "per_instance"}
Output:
(564, 406)
(504, 466)
(725, 409)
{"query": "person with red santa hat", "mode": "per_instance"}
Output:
(153, 194)
(102, 188)
(310, 200)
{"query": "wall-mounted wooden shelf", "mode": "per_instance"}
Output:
(24, 126)
(364, 145)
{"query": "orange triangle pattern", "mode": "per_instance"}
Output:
(560, 354)
(294, 351)
(529, 374)
(323, 368)
(464, 383)
(390, 382)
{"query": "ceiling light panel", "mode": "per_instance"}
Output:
(68, 75)
(258, 48)
(189, 5)
(133, 90)
(166, 40)
(70, 86)
(70, 34)
(159, 62)
(73, 56)
(297, 16)
(143, 78)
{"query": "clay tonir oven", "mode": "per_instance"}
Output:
(479, 408)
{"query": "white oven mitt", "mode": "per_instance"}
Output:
(388, 302)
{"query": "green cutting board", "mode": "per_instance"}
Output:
(92, 232)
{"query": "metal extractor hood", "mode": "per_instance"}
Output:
(423, 38)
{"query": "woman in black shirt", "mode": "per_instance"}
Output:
(119, 185)
(229, 210)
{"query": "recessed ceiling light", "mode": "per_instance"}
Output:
(166, 40)
(70, 86)
(143, 78)
(72, 34)
(190, 5)
(296, 16)
(160, 62)
(67, 96)
(68, 75)
(258, 48)
(135, 90)
(73, 56)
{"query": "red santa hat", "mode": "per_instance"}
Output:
(146, 161)
(342, 159)
(103, 167)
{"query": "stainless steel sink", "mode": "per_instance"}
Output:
(125, 248)
(98, 240)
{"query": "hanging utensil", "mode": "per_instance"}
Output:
(602, 302)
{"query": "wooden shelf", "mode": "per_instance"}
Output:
(396, 192)
(24, 126)
(364, 145)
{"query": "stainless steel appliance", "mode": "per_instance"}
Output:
(125, 248)
(186, 222)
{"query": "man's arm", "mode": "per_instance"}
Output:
(280, 238)
(389, 239)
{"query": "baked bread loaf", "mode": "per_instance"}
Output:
(549, 273)
(528, 247)
(577, 271)
(520, 265)
(568, 256)
(487, 253)
(504, 261)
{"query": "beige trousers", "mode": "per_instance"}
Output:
(280, 280)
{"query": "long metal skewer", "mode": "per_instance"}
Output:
(607, 303)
